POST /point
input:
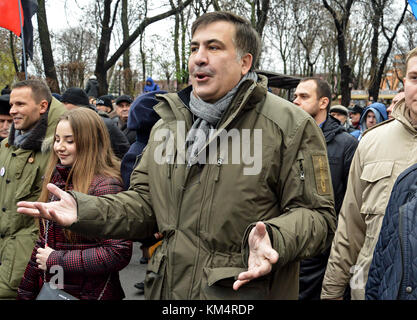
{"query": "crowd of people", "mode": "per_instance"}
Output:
(233, 191)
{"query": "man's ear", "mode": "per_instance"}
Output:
(44, 106)
(323, 102)
(246, 61)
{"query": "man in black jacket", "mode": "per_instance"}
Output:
(92, 87)
(76, 97)
(313, 95)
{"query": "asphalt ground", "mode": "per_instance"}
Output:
(134, 272)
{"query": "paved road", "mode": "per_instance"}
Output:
(134, 272)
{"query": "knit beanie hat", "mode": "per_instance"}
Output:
(75, 96)
(4, 104)
(104, 101)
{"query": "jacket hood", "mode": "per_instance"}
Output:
(150, 87)
(401, 113)
(41, 136)
(142, 116)
(331, 128)
(150, 80)
(380, 111)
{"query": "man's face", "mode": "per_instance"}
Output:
(122, 110)
(214, 65)
(5, 124)
(410, 88)
(341, 117)
(394, 101)
(355, 117)
(370, 119)
(305, 96)
(24, 110)
(104, 108)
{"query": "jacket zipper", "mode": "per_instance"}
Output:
(197, 259)
(219, 164)
(302, 174)
(400, 229)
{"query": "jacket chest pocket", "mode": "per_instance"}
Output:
(26, 184)
(378, 181)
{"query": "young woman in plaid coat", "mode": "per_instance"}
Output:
(83, 161)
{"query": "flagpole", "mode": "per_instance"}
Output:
(23, 40)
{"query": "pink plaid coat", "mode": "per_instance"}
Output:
(87, 263)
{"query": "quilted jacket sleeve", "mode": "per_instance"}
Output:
(109, 256)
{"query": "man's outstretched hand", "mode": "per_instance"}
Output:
(261, 256)
(63, 212)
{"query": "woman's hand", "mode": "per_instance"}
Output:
(42, 257)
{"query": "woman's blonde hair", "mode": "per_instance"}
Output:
(94, 155)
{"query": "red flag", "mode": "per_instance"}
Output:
(9, 11)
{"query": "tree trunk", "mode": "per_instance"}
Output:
(45, 42)
(127, 71)
(103, 48)
(378, 71)
(376, 23)
(341, 23)
(143, 60)
(178, 75)
(102, 63)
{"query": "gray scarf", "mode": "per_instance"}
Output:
(208, 115)
(20, 137)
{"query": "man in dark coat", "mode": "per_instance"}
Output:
(76, 97)
(141, 119)
(92, 87)
(313, 95)
(121, 116)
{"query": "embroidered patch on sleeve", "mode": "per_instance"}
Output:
(321, 175)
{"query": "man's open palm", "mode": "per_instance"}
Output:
(64, 211)
(261, 256)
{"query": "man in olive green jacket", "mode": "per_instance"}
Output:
(239, 200)
(23, 159)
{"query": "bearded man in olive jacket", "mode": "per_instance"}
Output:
(23, 159)
(235, 222)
